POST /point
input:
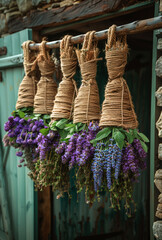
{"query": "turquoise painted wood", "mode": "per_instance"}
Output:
(73, 217)
(19, 186)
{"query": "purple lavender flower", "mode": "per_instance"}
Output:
(61, 148)
(139, 149)
(34, 128)
(19, 154)
(97, 167)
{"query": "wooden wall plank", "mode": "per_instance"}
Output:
(19, 186)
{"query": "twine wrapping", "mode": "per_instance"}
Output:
(117, 109)
(64, 100)
(47, 87)
(27, 88)
(86, 106)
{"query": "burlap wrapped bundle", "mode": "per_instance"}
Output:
(117, 109)
(86, 106)
(27, 88)
(64, 100)
(47, 87)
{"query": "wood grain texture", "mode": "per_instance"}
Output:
(44, 214)
(19, 187)
(58, 16)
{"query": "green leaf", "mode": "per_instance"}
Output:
(143, 137)
(61, 123)
(65, 140)
(144, 146)
(44, 131)
(69, 136)
(76, 128)
(72, 130)
(35, 118)
(37, 115)
(130, 138)
(53, 128)
(94, 142)
(135, 133)
(103, 134)
(80, 124)
(46, 117)
(119, 139)
(81, 128)
(62, 133)
(69, 125)
(26, 118)
(21, 114)
(23, 109)
(54, 124)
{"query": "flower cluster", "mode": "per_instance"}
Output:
(46, 143)
(79, 149)
(22, 134)
(106, 159)
(110, 159)
(133, 160)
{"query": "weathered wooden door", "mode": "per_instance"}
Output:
(16, 188)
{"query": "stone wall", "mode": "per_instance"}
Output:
(10, 9)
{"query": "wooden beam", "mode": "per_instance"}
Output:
(104, 16)
(130, 28)
(60, 16)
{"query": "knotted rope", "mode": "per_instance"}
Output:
(27, 88)
(47, 87)
(86, 106)
(117, 109)
(64, 101)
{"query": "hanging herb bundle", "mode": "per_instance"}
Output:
(120, 148)
(64, 101)
(53, 172)
(79, 151)
(43, 104)
(20, 131)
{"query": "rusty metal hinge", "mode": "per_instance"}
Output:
(3, 51)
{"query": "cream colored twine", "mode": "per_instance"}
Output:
(86, 106)
(47, 87)
(117, 109)
(64, 101)
(27, 88)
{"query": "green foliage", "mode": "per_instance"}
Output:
(66, 128)
(44, 131)
(120, 136)
(144, 146)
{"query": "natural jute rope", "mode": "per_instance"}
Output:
(86, 106)
(47, 87)
(117, 109)
(64, 100)
(27, 88)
